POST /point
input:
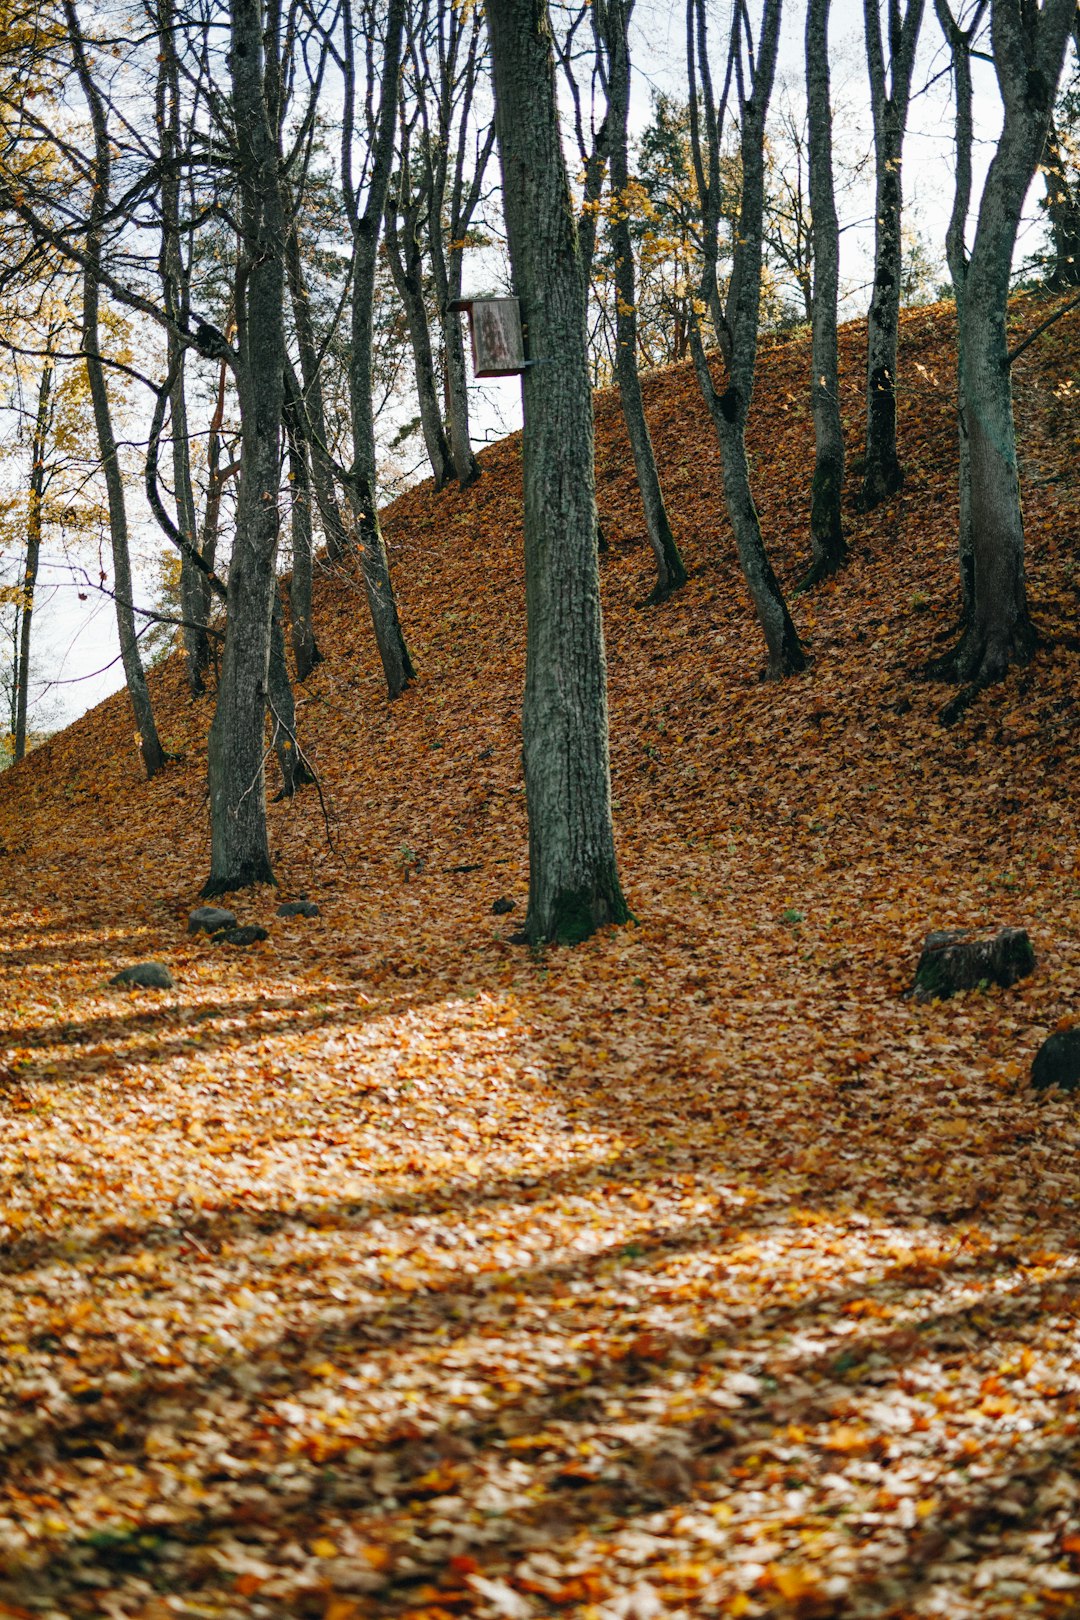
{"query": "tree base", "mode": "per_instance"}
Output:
(245, 876)
(979, 660)
(576, 914)
(822, 568)
(880, 484)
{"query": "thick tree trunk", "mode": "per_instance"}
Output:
(882, 472)
(1028, 52)
(828, 547)
(153, 754)
(33, 553)
(240, 852)
(403, 253)
(614, 21)
(305, 647)
(573, 880)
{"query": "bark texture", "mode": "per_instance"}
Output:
(573, 880)
(828, 547)
(613, 21)
(406, 267)
(240, 852)
(890, 93)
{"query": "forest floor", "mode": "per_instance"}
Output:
(391, 1269)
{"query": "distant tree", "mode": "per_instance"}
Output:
(1061, 174)
(750, 69)
(829, 548)
(891, 61)
(573, 880)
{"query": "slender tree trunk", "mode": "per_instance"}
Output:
(573, 880)
(240, 853)
(1028, 49)
(294, 773)
(828, 547)
(153, 754)
(406, 269)
(33, 553)
(736, 321)
(389, 637)
(1063, 212)
(193, 597)
(614, 21)
(338, 543)
(882, 473)
(305, 647)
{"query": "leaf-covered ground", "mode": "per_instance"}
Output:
(388, 1269)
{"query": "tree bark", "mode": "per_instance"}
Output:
(240, 852)
(193, 596)
(882, 472)
(1028, 50)
(573, 880)
(613, 21)
(828, 547)
(153, 755)
(736, 319)
(361, 482)
(338, 543)
(406, 267)
(294, 773)
(33, 552)
(305, 647)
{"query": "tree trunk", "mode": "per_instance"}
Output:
(240, 852)
(828, 547)
(1063, 212)
(305, 647)
(573, 880)
(614, 21)
(882, 472)
(294, 773)
(153, 754)
(407, 271)
(1028, 51)
(338, 543)
(193, 596)
(33, 553)
(361, 484)
(736, 321)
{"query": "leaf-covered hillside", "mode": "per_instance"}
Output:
(389, 1269)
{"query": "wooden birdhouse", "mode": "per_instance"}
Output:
(498, 348)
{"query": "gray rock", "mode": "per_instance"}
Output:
(501, 906)
(951, 960)
(299, 908)
(145, 976)
(1057, 1062)
(246, 934)
(209, 919)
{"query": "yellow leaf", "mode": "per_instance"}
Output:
(324, 1549)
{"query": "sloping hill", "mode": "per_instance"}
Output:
(388, 1269)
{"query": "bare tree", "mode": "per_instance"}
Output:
(890, 94)
(750, 69)
(826, 530)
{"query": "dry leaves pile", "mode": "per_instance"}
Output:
(387, 1269)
